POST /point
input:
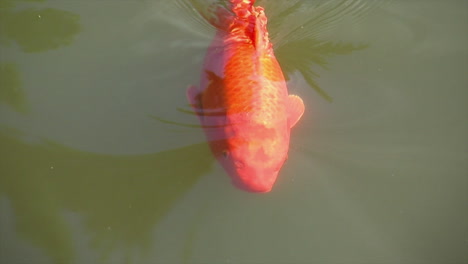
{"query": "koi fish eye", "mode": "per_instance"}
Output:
(225, 153)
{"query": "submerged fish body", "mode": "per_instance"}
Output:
(242, 101)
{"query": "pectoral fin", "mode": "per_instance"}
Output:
(192, 94)
(193, 97)
(295, 109)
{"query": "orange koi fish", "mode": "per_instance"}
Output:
(242, 101)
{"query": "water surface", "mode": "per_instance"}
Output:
(377, 171)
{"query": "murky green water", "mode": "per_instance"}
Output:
(378, 166)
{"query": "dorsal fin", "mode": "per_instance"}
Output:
(261, 39)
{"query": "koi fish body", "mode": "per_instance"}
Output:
(242, 101)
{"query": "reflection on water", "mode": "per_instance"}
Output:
(36, 30)
(379, 175)
(293, 58)
(10, 87)
(299, 34)
(120, 198)
(33, 30)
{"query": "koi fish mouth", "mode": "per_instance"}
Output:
(259, 183)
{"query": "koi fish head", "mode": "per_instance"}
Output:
(254, 158)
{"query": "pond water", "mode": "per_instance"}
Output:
(99, 163)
